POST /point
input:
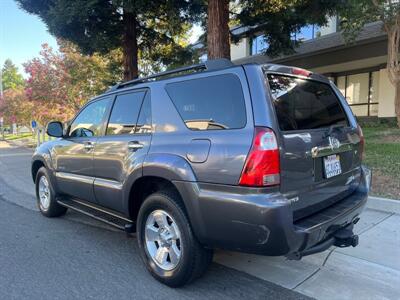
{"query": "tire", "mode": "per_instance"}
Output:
(49, 206)
(194, 258)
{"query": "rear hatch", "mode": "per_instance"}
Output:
(319, 150)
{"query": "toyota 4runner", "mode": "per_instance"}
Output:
(264, 159)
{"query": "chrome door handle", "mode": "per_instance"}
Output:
(89, 145)
(135, 145)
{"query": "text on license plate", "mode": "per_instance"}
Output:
(332, 166)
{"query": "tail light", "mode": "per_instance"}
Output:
(262, 167)
(362, 141)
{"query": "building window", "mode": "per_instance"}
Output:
(308, 32)
(361, 92)
(203, 58)
(258, 45)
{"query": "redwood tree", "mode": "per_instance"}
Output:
(101, 26)
(276, 19)
(218, 35)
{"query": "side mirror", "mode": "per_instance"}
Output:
(55, 129)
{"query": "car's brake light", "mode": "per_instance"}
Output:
(262, 167)
(302, 72)
(362, 141)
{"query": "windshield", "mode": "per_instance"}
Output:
(304, 104)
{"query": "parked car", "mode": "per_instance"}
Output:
(264, 159)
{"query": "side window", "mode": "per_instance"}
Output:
(210, 103)
(144, 121)
(125, 113)
(88, 122)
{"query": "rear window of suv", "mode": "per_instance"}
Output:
(302, 104)
(210, 103)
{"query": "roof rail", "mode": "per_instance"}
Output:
(213, 64)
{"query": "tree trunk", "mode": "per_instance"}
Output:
(397, 102)
(393, 64)
(218, 43)
(130, 46)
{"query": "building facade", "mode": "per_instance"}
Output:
(358, 69)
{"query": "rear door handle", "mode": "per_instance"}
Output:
(135, 145)
(89, 145)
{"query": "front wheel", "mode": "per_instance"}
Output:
(166, 241)
(46, 196)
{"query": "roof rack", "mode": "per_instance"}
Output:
(213, 64)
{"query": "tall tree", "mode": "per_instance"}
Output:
(59, 83)
(101, 26)
(15, 107)
(277, 19)
(218, 34)
(162, 57)
(11, 78)
(356, 13)
(280, 19)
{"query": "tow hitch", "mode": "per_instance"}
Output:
(343, 237)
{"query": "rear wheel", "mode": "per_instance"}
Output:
(46, 196)
(166, 242)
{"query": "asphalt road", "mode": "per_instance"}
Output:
(74, 257)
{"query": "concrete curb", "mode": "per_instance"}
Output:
(21, 144)
(384, 204)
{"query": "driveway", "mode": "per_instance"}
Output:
(369, 271)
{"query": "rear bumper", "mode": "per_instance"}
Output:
(251, 220)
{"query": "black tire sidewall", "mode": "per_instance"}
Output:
(183, 271)
(54, 209)
(42, 172)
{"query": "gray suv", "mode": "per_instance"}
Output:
(264, 159)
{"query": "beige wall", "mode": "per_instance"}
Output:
(330, 27)
(386, 95)
(383, 92)
(241, 49)
(352, 65)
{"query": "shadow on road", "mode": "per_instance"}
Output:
(44, 258)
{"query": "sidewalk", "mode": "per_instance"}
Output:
(369, 271)
(26, 143)
(5, 144)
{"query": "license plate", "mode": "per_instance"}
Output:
(332, 166)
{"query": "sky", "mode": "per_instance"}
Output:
(21, 34)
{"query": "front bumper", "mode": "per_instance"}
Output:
(253, 221)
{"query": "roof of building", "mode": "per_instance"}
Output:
(329, 42)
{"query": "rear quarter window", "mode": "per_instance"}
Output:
(302, 104)
(210, 103)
